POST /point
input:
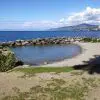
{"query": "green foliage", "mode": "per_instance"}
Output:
(98, 40)
(87, 39)
(32, 70)
(7, 61)
(94, 40)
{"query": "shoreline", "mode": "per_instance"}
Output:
(89, 50)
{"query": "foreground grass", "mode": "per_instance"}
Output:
(43, 70)
(56, 89)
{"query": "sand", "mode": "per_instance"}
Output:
(89, 50)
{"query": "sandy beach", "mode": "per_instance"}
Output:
(89, 50)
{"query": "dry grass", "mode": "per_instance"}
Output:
(55, 90)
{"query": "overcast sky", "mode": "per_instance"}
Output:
(45, 14)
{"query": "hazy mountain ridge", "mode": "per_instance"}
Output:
(80, 27)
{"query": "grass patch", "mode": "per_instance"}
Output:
(56, 91)
(77, 73)
(43, 70)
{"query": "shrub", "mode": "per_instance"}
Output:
(94, 40)
(7, 60)
(87, 39)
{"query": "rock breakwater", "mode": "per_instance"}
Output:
(44, 41)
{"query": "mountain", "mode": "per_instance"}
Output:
(80, 27)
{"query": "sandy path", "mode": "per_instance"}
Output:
(89, 50)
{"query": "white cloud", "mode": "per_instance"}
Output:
(10, 25)
(62, 20)
(89, 15)
(42, 24)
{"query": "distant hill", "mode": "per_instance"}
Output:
(80, 27)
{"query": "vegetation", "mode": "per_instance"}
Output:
(94, 40)
(91, 40)
(77, 73)
(7, 59)
(44, 69)
(87, 39)
(56, 89)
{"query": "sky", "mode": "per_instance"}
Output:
(45, 14)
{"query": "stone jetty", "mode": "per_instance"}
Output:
(40, 41)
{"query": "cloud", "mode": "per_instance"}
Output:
(90, 16)
(42, 24)
(10, 25)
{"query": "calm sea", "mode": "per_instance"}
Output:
(37, 55)
(14, 35)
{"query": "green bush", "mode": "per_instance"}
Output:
(98, 40)
(94, 40)
(7, 61)
(87, 39)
